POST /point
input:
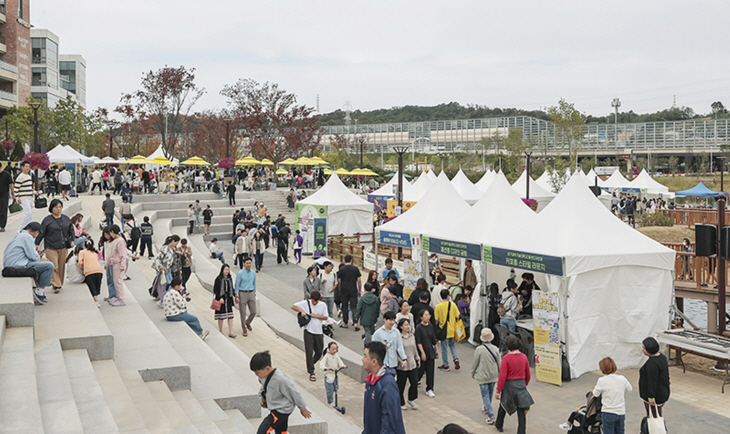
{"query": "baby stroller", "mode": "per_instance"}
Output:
(587, 419)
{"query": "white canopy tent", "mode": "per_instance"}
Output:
(418, 189)
(485, 181)
(591, 175)
(466, 189)
(542, 196)
(347, 213)
(387, 189)
(64, 154)
(644, 181)
(544, 180)
(108, 160)
(616, 180)
(159, 153)
(615, 284)
(431, 175)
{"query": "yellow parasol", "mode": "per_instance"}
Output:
(342, 171)
(162, 161)
(327, 172)
(137, 159)
(195, 161)
(318, 161)
(367, 172)
(288, 161)
(267, 162)
(304, 161)
(281, 172)
(247, 161)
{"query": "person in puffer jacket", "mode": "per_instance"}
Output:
(381, 413)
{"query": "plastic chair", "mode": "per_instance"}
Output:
(528, 344)
(503, 333)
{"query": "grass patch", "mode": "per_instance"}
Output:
(668, 234)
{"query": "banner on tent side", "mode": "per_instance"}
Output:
(393, 204)
(380, 203)
(369, 259)
(452, 248)
(398, 239)
(320, 237)
(526, 261)
(625, 190)
(304, 218)
(546, 321)
(411, 274)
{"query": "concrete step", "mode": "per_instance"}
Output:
(241, 424)
(218, 204)
(211, 377)
(72, 317)
(152, 415)
(16, 301)
(58, 407)
(139, 345)
(20, 410)
(195, 412)
(190, 197)
(122, 406)
(170, 407)
(93, 410)
(3, 325)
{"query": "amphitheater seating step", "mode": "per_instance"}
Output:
(16, 301)
(58, 407)
(240, 423)
(19, 406)
(196, 412)
(115, 392)
(170, 407)
(152, 415)
(93, 409)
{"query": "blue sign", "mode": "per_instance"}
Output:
(526, 261)
(452, 248)
(601, 134)
(396, 239)
(320, 237)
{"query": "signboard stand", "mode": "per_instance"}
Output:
(546, 322)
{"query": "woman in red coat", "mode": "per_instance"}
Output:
(514, 376)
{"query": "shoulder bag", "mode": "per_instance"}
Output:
(442, 332)
(15, 207)
(303, 319)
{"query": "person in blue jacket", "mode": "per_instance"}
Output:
(381, 413)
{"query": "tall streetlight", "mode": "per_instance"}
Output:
(616, 103)
(228, 136)
(528, 174)
(400, 150)
(112, 124)
(35, 105)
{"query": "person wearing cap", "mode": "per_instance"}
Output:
(21, 253)
(654, 378)
(485, 369)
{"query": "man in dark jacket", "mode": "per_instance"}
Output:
(368, 310)
(108, 207)
(231, 190)
(382, 413)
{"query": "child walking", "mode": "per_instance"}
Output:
(330, 363)
(298, 242)
(278, 394)
(89, 262)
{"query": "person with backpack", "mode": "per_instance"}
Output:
(315, 312)
(132, 232)
(146, 232)
(485, 370)
(446, 314)
(368, 310)
(509, 308)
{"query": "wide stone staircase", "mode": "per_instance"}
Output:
(72, 367)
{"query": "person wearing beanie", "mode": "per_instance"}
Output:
(654, 378)
(485, 369)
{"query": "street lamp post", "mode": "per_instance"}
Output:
(400, 150)
(527, 173)
(112, 124)
(35, 105)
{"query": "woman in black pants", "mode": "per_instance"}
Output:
(186, 260)
(427, 349)
(413, 362)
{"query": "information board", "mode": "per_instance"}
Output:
(526, 261)
(546, 322)
(411, 274)
(452, 248)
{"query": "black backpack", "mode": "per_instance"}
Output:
(135, 234)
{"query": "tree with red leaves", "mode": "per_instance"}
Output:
(275, 126)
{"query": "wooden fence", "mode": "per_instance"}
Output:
(691, 216)
(694, 271)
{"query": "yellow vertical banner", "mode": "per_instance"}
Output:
(546, 316)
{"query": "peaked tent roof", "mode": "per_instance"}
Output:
(536, 192)
(428, 216)
(699, 190)
(544, 180)
(591, 175)
(486, 180)
(63, 154)
(387, 189)
(159, 153)
(431, 175)
(616, 180)
(418, 189)
(498, 201)
(468, 191)
(334, 192)
(644, 180)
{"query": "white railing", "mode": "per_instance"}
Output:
(8, 96)
(8, 67)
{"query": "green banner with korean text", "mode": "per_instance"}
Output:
(452, 248)
(523, 260)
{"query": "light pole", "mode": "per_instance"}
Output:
(228, 136)
(400, 150)
(527, 173)
(112, 124)
(616, 103)
(35, 105)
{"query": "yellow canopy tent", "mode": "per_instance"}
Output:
(137, 159)
(367, 172)
(195, 161)
(247, 161)
(342, 171)
(162, 161)
(282, 172)
(267, 162)
(318, 161)
(304, 161)
(288, 161)
(327, 172)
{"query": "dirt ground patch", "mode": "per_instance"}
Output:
(702, 366)
(668, 234)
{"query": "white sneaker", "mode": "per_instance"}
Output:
(564, 426)
(403, 407)
(97, 304)
(204, 334)
(430, 393)
(413, 405)
(160, 305)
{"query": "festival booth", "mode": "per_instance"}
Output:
(331, 210)
(544, 180)
(418, 189)
(159, 153)
(699, 190)
(466, 189)
(646, 184)
(542, 196)
(380, 197)
(70, 158)
(485, 181)
(593, 178)
(607, 286)
(430, 215)
(616, 182)
(498, 201)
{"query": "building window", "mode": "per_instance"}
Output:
(38, 77)
(38, 50)
(20, 9)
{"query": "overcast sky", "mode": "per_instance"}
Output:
(380, 54)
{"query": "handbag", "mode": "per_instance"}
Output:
(656, 424)
(442, 332)
(216, 304)
(15, 207)
(41, 202)
(460, 331)
(304, 319)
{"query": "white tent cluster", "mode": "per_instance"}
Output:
(347, 213)
(614, 283)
